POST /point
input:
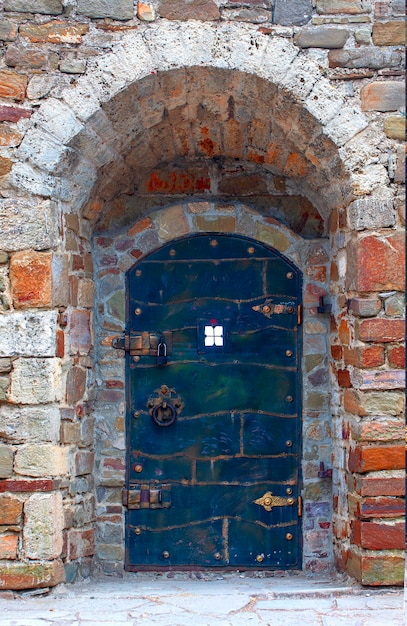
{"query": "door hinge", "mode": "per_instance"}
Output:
(147, 497)
(299, 315)
(299, 506)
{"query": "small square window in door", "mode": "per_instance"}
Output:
(213, 336)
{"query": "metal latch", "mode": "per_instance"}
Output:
(143, 343)
(147, 496)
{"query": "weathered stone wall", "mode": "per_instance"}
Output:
(282, 120)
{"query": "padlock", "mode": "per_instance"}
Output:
(162, 352)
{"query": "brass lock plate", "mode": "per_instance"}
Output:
(143, 343)
(268, 501)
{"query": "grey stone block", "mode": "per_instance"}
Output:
(292, 12)
(321, 38)
(45, 7)
(118, 10)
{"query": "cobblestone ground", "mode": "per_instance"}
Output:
(201, 599)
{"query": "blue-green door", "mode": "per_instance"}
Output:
(213, 420)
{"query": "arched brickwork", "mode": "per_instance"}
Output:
(227, 129)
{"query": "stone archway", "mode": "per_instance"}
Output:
(150, 125)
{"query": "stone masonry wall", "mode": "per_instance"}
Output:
(297, 122)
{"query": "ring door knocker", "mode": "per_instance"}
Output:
(164, 406)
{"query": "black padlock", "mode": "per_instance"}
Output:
(162, 352)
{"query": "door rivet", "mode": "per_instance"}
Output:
(214, 243)
(136, 359)
(136, 414)
(289, 536)
(217, 556)
(288, 353)
(290, 275)
(138, 468)
(266, 309)
(138, 272)
(172, 252)
(260, 558)
(164, 389)
(289, 398)
(289, 443)
(290, 309)
(290, 500)
(251, 250)
(166, 554)
(137, 311)
(137, 531)
(289, 491)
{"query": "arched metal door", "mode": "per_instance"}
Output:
(213, 418)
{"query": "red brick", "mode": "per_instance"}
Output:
(31, 279)
(17, 575)
(12, 85)
(377, 486)
(366, 356)
(367, 274)
(60, 350)
(365, 307)
(80, 543)
(337, 353)
(376, 536)
(381, 330)
(30, 486)
(13, 114)
(10, 510)
(75, 385)
(80, 333)
(382, 507)
(375, 570)
(344, 332)
(139, 226)
(344, 378)
(8, 546)
(396, 356)
(364, 459)
(110, 395)
(5, 166)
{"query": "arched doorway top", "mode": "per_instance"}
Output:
(78, 146)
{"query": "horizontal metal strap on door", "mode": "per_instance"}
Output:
(143, 343)
(147, 497)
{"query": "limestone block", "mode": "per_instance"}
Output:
(25, 225)
(44, 522)
(25, 177)
(41, 460)
(118, 10)
(371, 212)
(44, 152)
(292, 12)
(389, 33)
(145, 12)
(352, 7)
(29, 424)
(6, 461)
(17, 575)
(4, 385)
(324, 101)
(28, 333)
(72, 66)
(58, 119)
(35, 381)
(45, 7)
(346, 125)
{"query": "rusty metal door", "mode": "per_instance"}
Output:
(213, 420)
